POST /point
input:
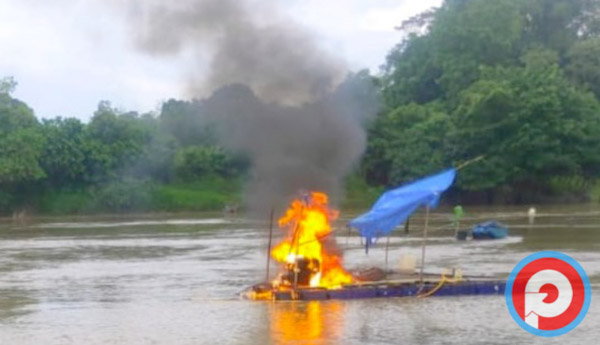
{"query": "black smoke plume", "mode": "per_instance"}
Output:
(269, 89)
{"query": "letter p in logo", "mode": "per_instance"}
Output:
(546, 299)
(548, 293)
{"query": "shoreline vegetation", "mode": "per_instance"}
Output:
(514, 81)
(212, 194)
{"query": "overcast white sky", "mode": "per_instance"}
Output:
(67, 55)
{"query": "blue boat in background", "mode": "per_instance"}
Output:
(490, 230)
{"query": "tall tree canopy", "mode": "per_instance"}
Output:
(516, 81)
(21, 144)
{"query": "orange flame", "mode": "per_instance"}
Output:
(308, 222)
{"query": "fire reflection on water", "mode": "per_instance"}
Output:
(306, 322)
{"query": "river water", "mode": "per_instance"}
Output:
(175, 280)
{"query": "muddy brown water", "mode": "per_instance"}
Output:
(175, 280)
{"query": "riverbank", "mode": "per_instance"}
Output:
(210, 194)
(215, 194)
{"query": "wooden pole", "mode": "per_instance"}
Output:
(269, 245)
(424, 245)
(469, 162)
(387, 246)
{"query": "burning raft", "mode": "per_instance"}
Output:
(312, 265)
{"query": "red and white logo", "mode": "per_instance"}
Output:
(548, 293)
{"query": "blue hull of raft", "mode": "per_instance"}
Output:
(395, 290)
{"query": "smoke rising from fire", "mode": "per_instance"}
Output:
(270, 91)
(237, 41)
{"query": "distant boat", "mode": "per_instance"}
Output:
(490, 230)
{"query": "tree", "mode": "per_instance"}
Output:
(185, 122)
(7, 85)
(20, 142)
(531, 121)
(114, 142)
(507, 80)
(583, 64)
(156, 161)
(557, 24)
(194, 162)
(64, 153)
(407, 142)
(21, 146)
(463, 36)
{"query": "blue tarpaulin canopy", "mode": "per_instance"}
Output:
(395, 206)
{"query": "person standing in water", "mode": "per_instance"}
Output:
(456, 217)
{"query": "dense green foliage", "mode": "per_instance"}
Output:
(514, 81)
(21, 143)
(118, 162)
(129, 195)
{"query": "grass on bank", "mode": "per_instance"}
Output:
(208, 194)
(205, 195)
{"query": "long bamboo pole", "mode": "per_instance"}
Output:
(424, 245)
(469, 162)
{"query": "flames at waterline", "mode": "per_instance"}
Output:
(308, 222)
